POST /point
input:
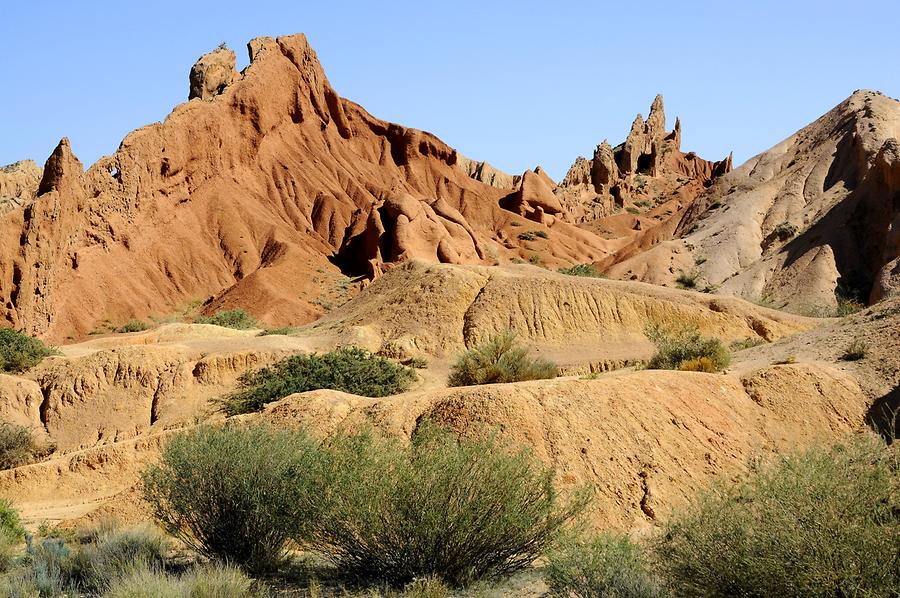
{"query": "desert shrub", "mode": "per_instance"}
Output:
(18, 446)
(687, 280)
(606, 565)
(747, 343)
(855, 351)
(233, 318)
(825, 522)
(285, 330)
(348, 369)
(19, 352)
(47, 566)
(10, 523)
(114, 554)
(454, 510)
(132, 326)
(213, 581)
(528, 235)
(847, 306)
(686, 347)
(496, 360)
(632, 210)
(541, 234)
(535, 260)
(582, 270)
(785, 231)
(417, 363)
(699, 364)
(236, 494)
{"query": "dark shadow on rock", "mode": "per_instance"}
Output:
(884, 415)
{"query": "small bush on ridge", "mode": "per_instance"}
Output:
(233, 318)
(582, 270)
(856, 351)
(496, 360)
(18, 446)
(236, 494)
(455, 510)
(606, 565)
(686, 349)
(825, 522)
(348, 369)
(132, 326)
(19, 352)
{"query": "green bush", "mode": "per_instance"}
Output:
(582, 270)
(132, 326)
(785, 231)
(236, 494)
(747, 343)
(233, 318)
(47, 566)
(285, 330)
(825, 522)
(10, 523)
(19, 352)
(114, 554)
(684, 348)
(214, 581)
(457, 511)
(528, 235)
(606, 565)
(498, 360)
(348, 369)
(18, 446)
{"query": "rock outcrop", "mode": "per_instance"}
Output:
(212, 73)
(648, 167)
(243, 198)
(18, 184)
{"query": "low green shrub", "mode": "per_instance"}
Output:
(236, 494)
(454, 510)
(233, 318)
(541, 234)
(855, 351)
(825, 522)
(348, 369)
(785, 231)
(582, 270)
(10, 523)
(132, 326)
(498, 359)
(679, 348)
(47, 566)
(605, 565)
(19, 352)
(528, 235)
(18, 446)
(212, 581)
(114, 554)
(747, 343)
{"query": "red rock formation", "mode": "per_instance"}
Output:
(240, 199)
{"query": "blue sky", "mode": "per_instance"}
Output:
(515, 83)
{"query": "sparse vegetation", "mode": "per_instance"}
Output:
(541, 234)
(18, 446)
(686, 348)
(699, 261)
(821, 523)
(710, 288)
(632, 210)
(528, 235)
(348, 369)
(687, 280)
(785, 231)
(113, 554)
(848, 305)
(233, 318)
(10, 523)
(587, 270)
(285, 330)
(499, 359)
(213, 581)
(535, 260)
(237, 494)
(747, 343)
(417, 363)
(515, 223)
(20, 352)
(855, 351)
(642, 204)
(132, 326)
(454, 510)
(605, 565)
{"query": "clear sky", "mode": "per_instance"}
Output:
(515, 83)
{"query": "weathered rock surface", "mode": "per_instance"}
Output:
(212, 73)
(18, 184)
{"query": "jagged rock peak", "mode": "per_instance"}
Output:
(212, 73)
(61, 165)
